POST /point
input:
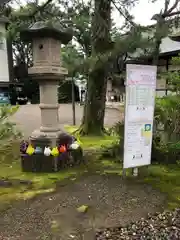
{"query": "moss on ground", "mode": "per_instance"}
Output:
(165, 178)
(41, 183)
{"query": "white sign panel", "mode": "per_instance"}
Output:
(4, 70)
(139, 113)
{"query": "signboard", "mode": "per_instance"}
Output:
(139, 113)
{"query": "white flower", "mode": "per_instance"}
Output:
(74, 146)
(47, 151)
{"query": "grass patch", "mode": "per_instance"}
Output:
(110, 167)
(166, 178)
(91, 142)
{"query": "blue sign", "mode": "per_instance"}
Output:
(147, 127)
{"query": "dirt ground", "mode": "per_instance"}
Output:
(111, 201)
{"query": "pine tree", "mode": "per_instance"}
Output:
(93, 119)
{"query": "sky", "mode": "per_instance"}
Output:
(142, 12)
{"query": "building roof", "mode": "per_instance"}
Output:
(175, 37)
(4, 20)
(168, 44)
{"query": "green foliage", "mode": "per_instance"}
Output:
(117, 129)
(167, 115)
(166, 137)
(8, 131)
(77, 15)
(174, 77)
(115, 149)
(160, 151)
(165, 152)
(72, 58)
(112, 151)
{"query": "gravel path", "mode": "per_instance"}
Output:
(111, 200)
(160, 226)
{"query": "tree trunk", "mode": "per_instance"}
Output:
(161, 32)
(93, 119)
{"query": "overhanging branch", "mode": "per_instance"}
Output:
(174, 6)
(172, 14)
(38, 9)
(166, 5)
(121, 12)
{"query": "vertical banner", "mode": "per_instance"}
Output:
(139, 114)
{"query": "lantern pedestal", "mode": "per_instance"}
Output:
(48, 139)
(41, 164)
(38, 163)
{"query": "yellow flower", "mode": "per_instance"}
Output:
(30, 150)
(55, 152)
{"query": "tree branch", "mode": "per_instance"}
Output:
(4, 2)
(166, 5)
(38, 9)
(173, 7)
(173, 14)
(121, 12)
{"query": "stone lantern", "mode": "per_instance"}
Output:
(47, 69)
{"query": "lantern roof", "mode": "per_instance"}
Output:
(42, 29)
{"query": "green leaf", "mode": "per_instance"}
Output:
(82, 209)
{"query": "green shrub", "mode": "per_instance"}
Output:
(174, 152)
(166, 137)
(115, 150)
(117, 129)
(8, 130)
(159, 151)
(112, 151)
(165, 152)
(167, 117)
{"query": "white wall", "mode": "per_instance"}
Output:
(4, 71)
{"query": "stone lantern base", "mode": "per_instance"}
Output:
(49, 134)
(41, 163)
